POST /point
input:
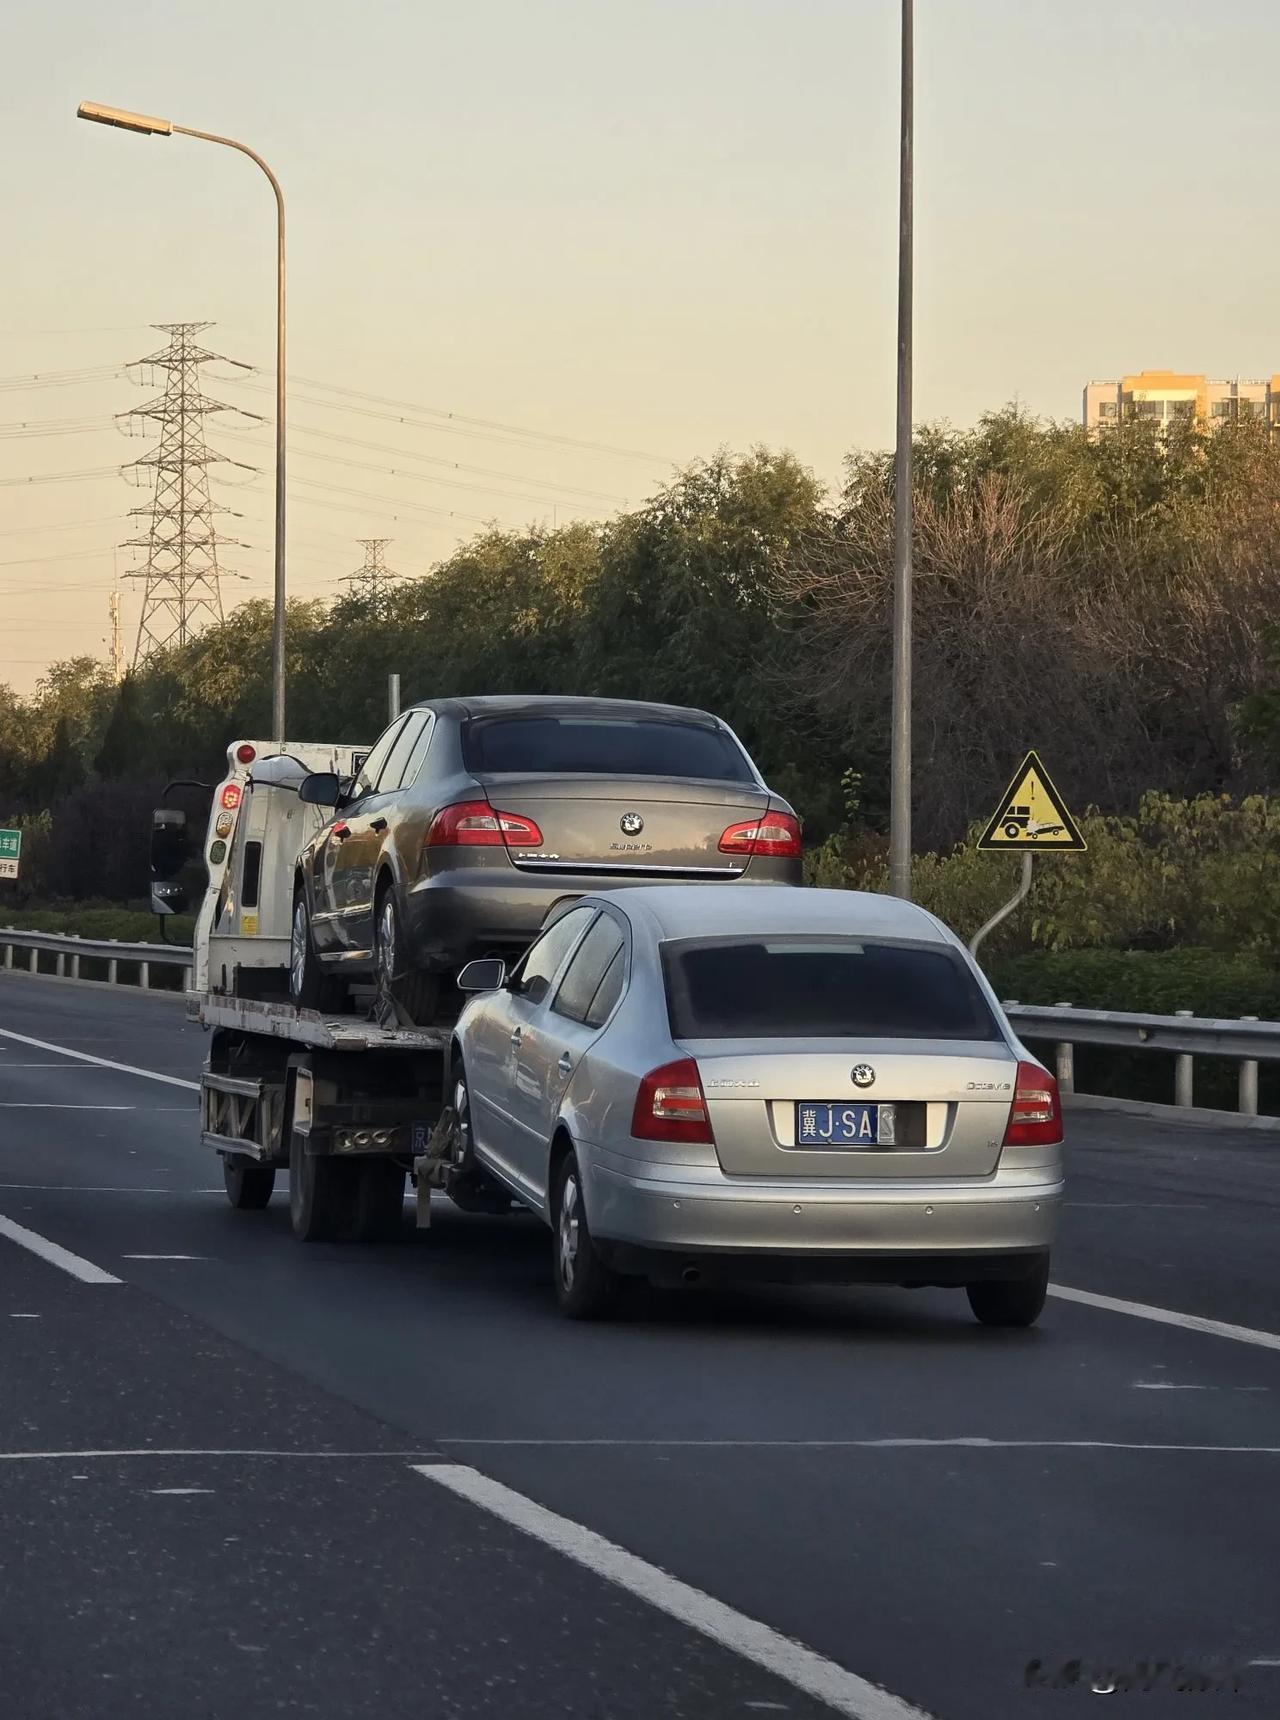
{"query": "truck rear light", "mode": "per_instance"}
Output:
(1035, 1117)
(776, 834)
(246, 753)
(230, 796)
(476, 824)
(671, 1106)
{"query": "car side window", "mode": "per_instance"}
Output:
(608, 991)
(591, 962)
(417, 758)
(371, 769)
(532, 979)
(395, 771)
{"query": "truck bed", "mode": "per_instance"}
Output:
(308, 1027)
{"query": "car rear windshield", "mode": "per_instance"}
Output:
(603, 746)
(798, 988)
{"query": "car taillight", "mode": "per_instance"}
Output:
(1035, 1117)
(476, 824)
(777, 834)
(671, 1106)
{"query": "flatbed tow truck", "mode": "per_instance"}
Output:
(348, 1103)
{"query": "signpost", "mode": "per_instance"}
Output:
(10, 852)
(1031, 815)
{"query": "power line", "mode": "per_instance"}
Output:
(59, 526)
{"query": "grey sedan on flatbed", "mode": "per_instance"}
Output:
(698, 1084)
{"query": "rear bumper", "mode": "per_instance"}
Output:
(475, 910)
(797, 1221)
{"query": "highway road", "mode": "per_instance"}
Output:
(242, 1477)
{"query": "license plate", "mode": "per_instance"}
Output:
(822, 1125)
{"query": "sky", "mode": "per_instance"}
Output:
(623, 235)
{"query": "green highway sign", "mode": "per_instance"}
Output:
(10, 852)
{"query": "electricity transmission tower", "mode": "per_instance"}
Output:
(182, 575)
(371, 584)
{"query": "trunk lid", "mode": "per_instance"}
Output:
(589, 823)
(951, 1100)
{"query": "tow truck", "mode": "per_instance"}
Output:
(350, 1103)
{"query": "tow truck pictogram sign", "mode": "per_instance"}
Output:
(1032, 814)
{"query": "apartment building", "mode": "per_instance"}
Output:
(1165, 396)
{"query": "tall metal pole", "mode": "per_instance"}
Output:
(900, 729)
(281, 589)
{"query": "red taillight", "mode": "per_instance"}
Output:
(246, 754)
(776, 834)
(671, 1106)
(231, 796)
(476, 824)
(1035, 1117)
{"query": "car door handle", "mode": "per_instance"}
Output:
(565, 1065)
(377, 824)
(517, 1034)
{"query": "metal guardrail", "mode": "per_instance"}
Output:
(1247, 1040)
(69, 952)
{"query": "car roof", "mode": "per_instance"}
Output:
(726, 910)
(559, 704)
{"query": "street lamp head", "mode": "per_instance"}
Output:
(122, 117)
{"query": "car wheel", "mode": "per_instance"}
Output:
(377, 1207)
(1012, 1301)
(1013, 831)
(586, 1288)
(401, 988)
(309, 986)
(248, 1184)
(319, 1193)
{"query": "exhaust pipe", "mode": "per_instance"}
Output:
(691, 1275)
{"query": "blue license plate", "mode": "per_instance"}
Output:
(819, 1124)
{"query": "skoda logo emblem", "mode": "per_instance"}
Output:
(631, 824)
(862, 1075)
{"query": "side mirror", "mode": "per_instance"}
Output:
(321, 788)
(170, 842)
(169, 898)
(489, 974)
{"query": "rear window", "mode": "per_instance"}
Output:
(798, 988)
(602, 746)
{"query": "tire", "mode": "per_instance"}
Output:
(1013, 831)
(320, 1194)
(464, 1147)
(248, 1184)
(1012, 1301)
(377, 1208)
(586, 1289)
(309, 986)
(401, 988)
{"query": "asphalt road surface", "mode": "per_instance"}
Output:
(243, 1477)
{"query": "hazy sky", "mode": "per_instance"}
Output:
(662, 225)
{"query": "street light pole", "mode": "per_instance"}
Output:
(145, 123)
(900, 722)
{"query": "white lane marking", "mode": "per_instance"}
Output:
(101, 1062)
(958, 1442)
(779, 1655)
(15, 1105)
(179, 1492)
(48, 1251)
(1167, 1317)
(99, 1188)
(199, 1451)
(1167, 1386)
(6, 1065)
(24, 1316)
(162, 1257)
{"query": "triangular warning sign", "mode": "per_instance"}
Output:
(1031, 814)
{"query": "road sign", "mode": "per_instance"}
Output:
(1032, 815)
(10, 852)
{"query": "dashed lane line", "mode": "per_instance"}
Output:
(54, 1254)
(1167, 1317)
(782, 1656)
(101, 1062)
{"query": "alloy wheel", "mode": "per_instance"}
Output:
(568, 1229)
(298, 937)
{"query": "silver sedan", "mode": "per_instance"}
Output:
(697, 1084)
